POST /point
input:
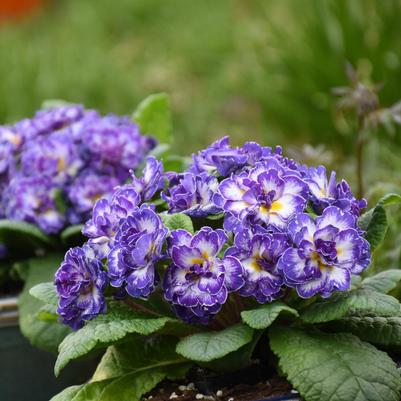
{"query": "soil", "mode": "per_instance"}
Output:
(252, 384)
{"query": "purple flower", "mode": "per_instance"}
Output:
(32, 199)
(117, 141)
(55, 155)
(192, 194)
(265, 195)
(137, 247)
(151, 181)
(326, 193)
(88, 187)
(198, 281)
(219, 157)
(102, 228)
(259, 252)
(326, 252)
(46, 121)
(80, 282)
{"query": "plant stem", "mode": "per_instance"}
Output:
(359, 156)
(140, 308)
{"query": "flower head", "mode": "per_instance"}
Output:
(267, 195)
(326, 252)
(80, 282)
(33, 199)
(151, 181)
(192, 194)
(258, 252)
(137, 247)
(198, 281)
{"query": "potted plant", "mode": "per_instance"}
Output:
(53, 168)
(245, 261)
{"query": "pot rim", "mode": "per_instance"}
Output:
(8, 311)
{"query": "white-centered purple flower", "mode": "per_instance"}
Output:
(198, 281)
(56, 156)
(80, 283)
(326, 192)
(267, 194)
(136, 250)
(259, 251)
(151, 180)
(192, 194)
(102, 228)
(116, 140)
(326, 252)
(76, 153)
(33, 199)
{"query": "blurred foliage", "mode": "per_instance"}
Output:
(261, 68)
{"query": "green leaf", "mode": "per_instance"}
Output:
(335, 367)
(53, 103)
(46, 335)
(375, 329)
(265, 315)
(139, 355)
(67, 394)
(177, 221)
(205, 347)
(72, 236)
(153, 116)
(23, 239)
(129, 370)
(104, 329)
(359, 301)
(374, 221)
(384, 281)
(45, 292)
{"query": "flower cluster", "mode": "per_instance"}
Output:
(54, 166)
(278, 226)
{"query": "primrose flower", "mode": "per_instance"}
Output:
(192, 194)
(326, 252)
(32, 199)
(55, 155)
(80, 282)
(87, 188)
(47, 121)
(258, 252)
(265, 195)
(151, 181)
(137, 247)
(326, 192)
(102, 228)
(198, 281)
(117, 141)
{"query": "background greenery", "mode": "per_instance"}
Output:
(257, 69)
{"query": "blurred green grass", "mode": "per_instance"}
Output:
(261, 69)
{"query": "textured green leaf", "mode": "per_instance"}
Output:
(335, 367)
(177, 221)
(205, 347)
(22, 239)
(375, 329)
(129, 370)
(384, 281)
(265, 315)
(374, 221)
(359, 301)
(104, 329)
(67, 394)
(45, 292)
(153, 116)
(43, 334)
